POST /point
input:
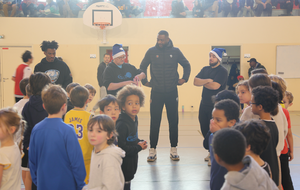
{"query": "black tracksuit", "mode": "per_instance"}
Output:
(128, 141)
(164, 80)
(58, 71)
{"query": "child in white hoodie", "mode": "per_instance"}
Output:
(243, 172)
(105, 169)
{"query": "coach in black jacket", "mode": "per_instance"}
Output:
(163, 59)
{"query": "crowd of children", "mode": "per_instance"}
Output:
(78, 152)
(83, 151)
(265, 139)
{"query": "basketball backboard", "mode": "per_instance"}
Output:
(102, 12)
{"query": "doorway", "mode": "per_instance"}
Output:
(10, 59)
(108, 49)
(232, 63)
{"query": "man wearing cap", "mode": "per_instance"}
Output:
(213, 78)
(118, 74)
(254, 65)
(163, 59)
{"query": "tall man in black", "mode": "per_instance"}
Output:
(57, 70)
(213, 78)
(163, 59)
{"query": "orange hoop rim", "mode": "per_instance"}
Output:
(102, 25)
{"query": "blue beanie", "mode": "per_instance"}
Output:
(117, 51)
(218, 52)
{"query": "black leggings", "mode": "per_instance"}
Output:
(158, 100)
(285, 172)
(204, 119)
(127, 185)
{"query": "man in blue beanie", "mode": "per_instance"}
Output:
(163, 59)
(213, 78)
(118, 74)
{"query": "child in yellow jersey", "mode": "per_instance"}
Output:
(79, 118)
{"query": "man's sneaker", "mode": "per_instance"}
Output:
(209, 162)
(152, 155)
(173, 154)
(206, 159)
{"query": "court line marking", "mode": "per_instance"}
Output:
(296, 135)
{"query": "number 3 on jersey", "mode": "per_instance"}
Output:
(79, 129)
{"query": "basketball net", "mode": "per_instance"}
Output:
(102, 26)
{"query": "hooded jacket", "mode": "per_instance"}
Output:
(128, 141)
(114, 74)
(58, 71)
(253, 177)
(257, 66)
(163, 67)
(106, 172)
(33, 112)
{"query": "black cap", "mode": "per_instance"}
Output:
(252, 59)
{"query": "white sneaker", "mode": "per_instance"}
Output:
(209, 162)
(152, 155)
(206, 159)
(173, 154)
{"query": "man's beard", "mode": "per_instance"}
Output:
(213, 64)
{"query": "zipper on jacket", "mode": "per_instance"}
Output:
(164, 69)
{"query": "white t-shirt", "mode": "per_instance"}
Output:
(280, 120)
(10, 158)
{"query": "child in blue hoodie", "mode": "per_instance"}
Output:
(55, 156)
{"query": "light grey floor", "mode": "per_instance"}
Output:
(191, 172)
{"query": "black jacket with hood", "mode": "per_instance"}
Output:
(114, 74)
(58, 71)
(163, 67)
(33, 112)
(128, 140)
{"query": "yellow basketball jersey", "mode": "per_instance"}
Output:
(79, 119)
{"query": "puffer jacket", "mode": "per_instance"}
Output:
(163, 67)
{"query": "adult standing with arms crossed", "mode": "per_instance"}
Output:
(213, 78)
(163, 59)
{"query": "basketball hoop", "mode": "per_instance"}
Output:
(102, 26)
(102, 16)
